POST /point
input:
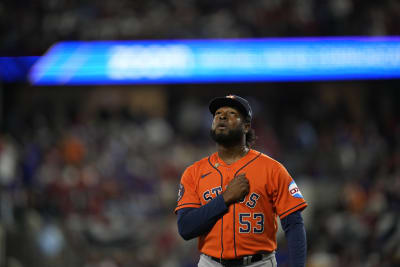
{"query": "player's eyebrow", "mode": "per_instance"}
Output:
(229, 110)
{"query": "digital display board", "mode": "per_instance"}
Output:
(220, 60)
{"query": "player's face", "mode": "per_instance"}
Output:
(228, 127)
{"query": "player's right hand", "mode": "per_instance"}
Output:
(237, 189)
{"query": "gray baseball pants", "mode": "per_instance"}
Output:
(267, 261)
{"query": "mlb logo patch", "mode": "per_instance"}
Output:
(294, 190)
(181, 191)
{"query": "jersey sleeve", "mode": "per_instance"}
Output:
(288, 198)
(187, 193)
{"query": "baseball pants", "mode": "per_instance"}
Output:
(267, 261)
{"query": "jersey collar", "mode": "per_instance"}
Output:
(216, 160)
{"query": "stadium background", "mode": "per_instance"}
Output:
(89, 174)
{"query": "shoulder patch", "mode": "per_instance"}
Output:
(181, 191)
(294, 190)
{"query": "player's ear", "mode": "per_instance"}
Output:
(247, 127)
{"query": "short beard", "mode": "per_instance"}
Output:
(233, 137)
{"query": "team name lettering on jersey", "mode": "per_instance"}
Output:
(213, 193)
(216, 191)
(252, 202)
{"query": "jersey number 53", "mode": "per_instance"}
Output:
(246, 225)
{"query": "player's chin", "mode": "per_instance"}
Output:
(222, 135)
(222, 131)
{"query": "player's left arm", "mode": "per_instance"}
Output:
(289, 203)
(295, 234)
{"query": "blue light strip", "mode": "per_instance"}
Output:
(15, 69)
(233, 60)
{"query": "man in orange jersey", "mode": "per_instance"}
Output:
(231, 199)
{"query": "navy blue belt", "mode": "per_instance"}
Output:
(246, 260)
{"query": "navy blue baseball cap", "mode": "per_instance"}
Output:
(231, 101)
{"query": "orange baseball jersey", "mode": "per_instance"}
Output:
(249, 227)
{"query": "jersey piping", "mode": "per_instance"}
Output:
(234, 205)
(188, 204)
(280, 215)
(222, 219)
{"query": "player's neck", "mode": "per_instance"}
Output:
(232, 154)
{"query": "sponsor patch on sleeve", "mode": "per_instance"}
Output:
(181, 191)
(294, 190)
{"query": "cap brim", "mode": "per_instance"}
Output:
(219, 102)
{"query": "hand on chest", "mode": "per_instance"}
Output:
(213, 183)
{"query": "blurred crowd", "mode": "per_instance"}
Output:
(93, 182)
(31, 27)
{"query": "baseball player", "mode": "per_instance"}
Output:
(231, 199)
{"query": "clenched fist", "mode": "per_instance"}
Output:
(237, 189)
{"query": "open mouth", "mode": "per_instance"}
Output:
(221, 126)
